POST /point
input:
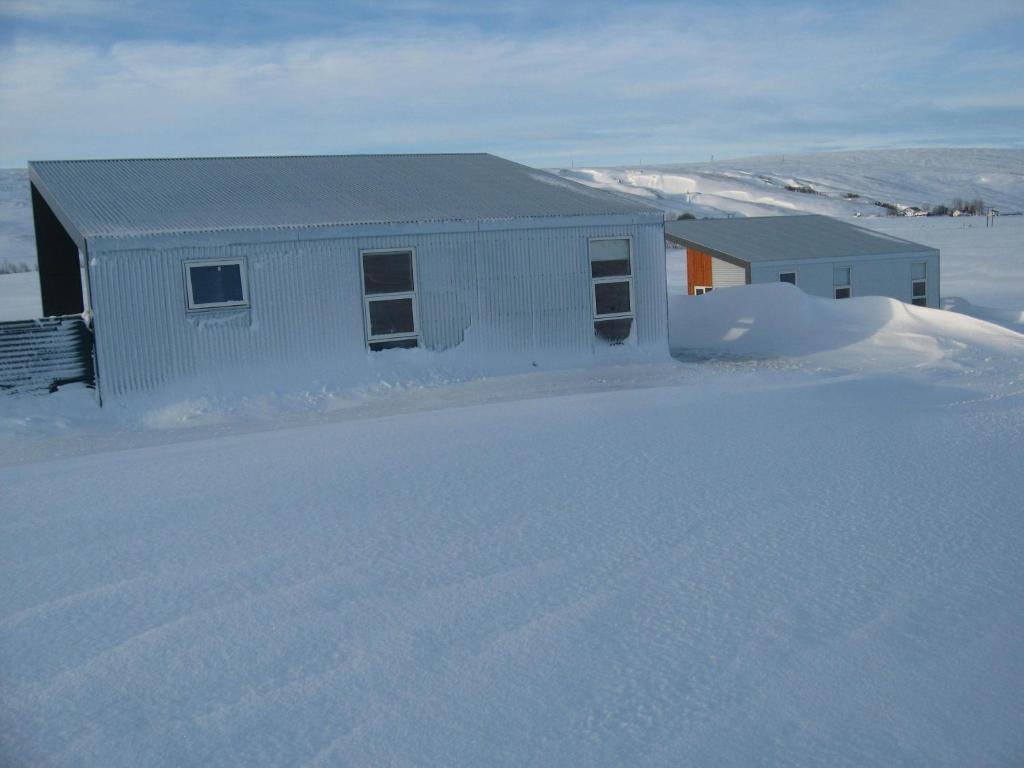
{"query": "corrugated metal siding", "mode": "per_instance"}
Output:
(148, 196)
(727, 275)
(874, 276)
(40, 355)
(496, 291)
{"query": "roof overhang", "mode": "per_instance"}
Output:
(688, 243)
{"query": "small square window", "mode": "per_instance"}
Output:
(614, 331)
(391, 316)
(841, 277)
(609, 258)
(212, 284)
(787, 277)
(842, 293)
(389, 272)
(611, 298)
(700, 290)
(919, 270)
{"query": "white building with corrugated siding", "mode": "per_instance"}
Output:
(823, 256)
(199, 267)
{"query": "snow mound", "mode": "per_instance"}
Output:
(1010, 318)
(866, 333)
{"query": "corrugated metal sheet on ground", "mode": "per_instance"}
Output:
(145, 197)
(787, 238)
(41, 355)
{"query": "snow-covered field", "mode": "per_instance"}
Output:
(19, 296)
(803, 549)
(798, 542)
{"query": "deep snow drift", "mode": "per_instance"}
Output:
(805, 550)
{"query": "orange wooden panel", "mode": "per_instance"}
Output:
(698, 269)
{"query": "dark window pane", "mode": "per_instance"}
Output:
(377, 346)
(611, 298)
(921, 302)
(788, 277)
(614, 331)
(842, 293)
(609, 268)
(391, 316)
(919, 288)
(387, 272)
(216, 284)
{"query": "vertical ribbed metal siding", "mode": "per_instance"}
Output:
(726, 275)
(512, 290)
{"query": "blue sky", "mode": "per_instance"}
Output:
(550, 84)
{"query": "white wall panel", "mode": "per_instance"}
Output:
(510, 290)
(871, 276)
(726, 275)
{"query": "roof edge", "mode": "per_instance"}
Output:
(260, 157)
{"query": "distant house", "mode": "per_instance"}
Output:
(208, 266)
(821, 255)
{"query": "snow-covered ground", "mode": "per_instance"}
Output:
(19, 296)
(801, 545)
(796, 543)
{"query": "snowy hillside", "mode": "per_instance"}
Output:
(17, 239)
(843, 184)
(833, 183)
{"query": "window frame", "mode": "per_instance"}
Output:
(793, 272)
(919, 297)
(243, 270)
(849, 281)
(595, 281)
(369, 298)
(704, 290)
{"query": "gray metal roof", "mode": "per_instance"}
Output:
(166, 196)
(786, 238)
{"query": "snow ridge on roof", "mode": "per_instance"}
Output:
(169, 195)
(787, 238)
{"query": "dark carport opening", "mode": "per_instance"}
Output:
(60, 276)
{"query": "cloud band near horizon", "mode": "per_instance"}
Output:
(652, 83)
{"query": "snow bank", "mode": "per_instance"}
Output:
(870, 333)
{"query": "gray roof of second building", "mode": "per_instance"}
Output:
(162, 196)
(787, 238)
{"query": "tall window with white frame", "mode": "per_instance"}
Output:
(919, 283)
(841, 282)
(389, 299)
(611, 273)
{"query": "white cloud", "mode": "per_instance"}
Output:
(49, 9)
(661, 86)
